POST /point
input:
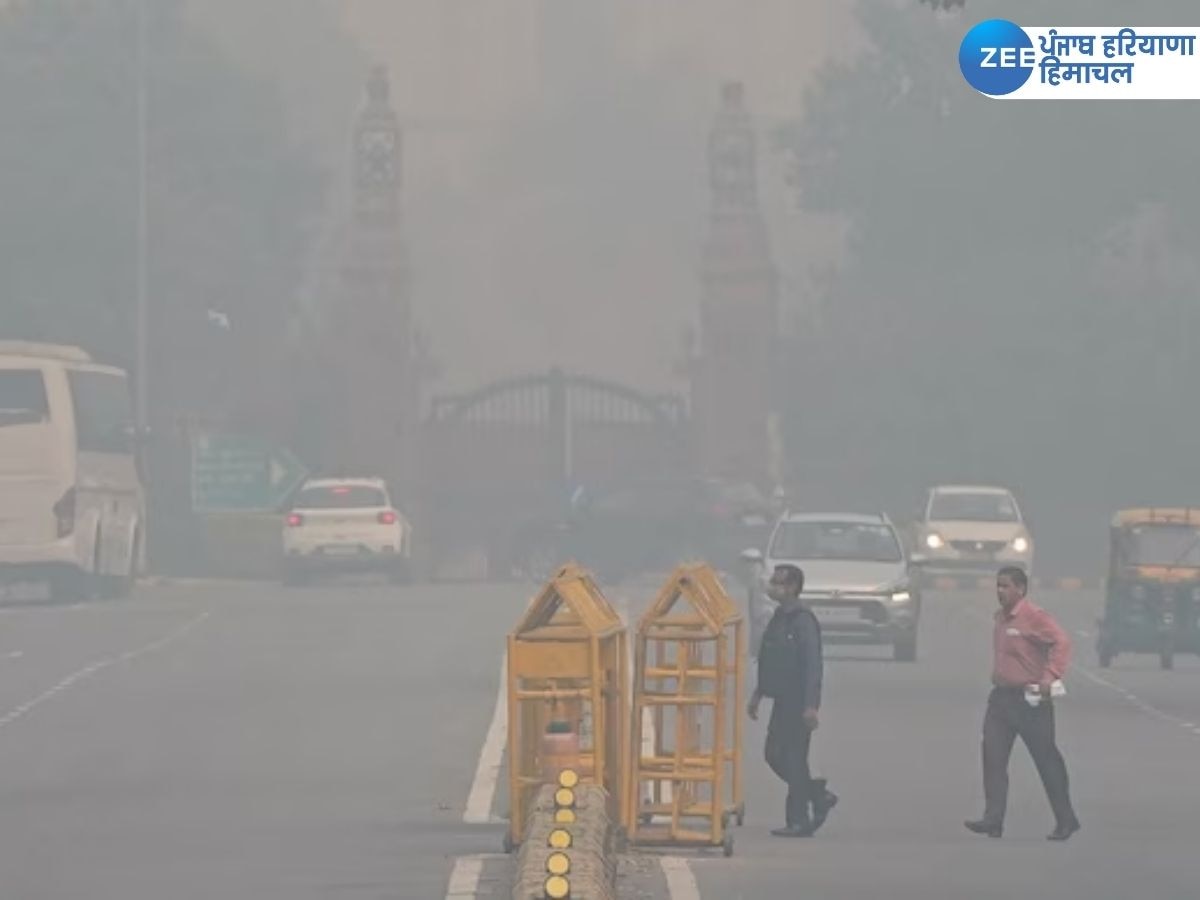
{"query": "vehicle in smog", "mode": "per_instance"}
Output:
(72, 506)
(971, 530)
(1152, 592)
(857, 579)
(339, 526)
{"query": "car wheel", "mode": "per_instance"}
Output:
(293, 576)
(69, 587)
(905, 649)
(400, 572)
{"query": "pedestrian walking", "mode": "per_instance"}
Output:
(790, 672)
(1031, 654)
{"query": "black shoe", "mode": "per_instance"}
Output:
(984, 827)
(823, 805)
(1063, 832)
(794, 831)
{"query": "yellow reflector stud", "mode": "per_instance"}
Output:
(568, 778)
(564, 797)
(560, 839)
(564, 817)
(557, 887)
(558, 864)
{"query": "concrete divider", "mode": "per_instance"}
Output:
(592, 853)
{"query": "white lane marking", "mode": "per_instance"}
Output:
(464, 878)
(1137, 701)
(88, 671)
(681, 883)
(491, 756)
(15, 654)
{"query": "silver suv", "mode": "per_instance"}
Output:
(856, 579)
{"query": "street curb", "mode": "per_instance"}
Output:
(154, 581)
(969, 583)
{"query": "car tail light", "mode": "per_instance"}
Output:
(295, 520)
(64, 513)
(387, 518)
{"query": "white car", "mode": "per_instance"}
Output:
(345, 525)
(972, 529)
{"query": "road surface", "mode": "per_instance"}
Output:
(248, 741)
(900, 744)
(342, 742)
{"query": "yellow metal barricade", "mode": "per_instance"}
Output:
(729, 616)
(568, 699)
(686, 732)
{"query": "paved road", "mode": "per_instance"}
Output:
(322, 743)
(247, 741)
(900, 743)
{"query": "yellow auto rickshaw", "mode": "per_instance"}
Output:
(1153, 587)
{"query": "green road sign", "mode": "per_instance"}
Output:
(236, 472)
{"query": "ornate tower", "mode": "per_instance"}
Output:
(731, 371)
(373, 321)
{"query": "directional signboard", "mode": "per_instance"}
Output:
(237, 472)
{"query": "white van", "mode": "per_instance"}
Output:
(71, 502)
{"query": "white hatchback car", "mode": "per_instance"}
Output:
(972, 529)
(345, 525)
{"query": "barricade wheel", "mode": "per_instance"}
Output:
(727, 846)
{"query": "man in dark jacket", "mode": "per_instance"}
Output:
(790, 670)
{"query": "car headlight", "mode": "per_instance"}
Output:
(901, 595)
(934, 541)
(1020, 544)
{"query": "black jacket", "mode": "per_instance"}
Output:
(790, 660)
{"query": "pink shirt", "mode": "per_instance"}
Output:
(1030, 647)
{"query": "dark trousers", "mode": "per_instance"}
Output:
(1008, 715)
(788, 742)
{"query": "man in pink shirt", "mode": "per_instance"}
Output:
(1031, 652)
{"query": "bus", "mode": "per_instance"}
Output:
(72, 506)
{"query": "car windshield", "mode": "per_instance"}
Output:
(835, 540)
(341, 496)
(1163, 545)
(964, 507)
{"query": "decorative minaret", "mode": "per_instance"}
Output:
(373, 321)
(732, 367)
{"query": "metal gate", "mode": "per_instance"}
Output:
(506, 458)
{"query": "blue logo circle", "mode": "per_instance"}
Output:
(995, 57)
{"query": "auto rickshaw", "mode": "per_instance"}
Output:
(1153, 589)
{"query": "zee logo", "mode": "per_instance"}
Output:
(996, 57)
(1008, 58)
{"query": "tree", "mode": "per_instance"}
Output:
(971, 334)
(230, 200)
